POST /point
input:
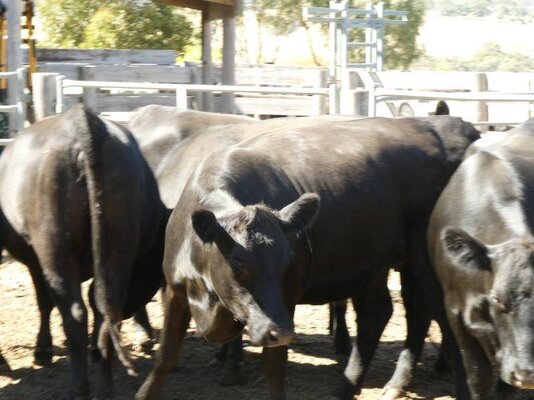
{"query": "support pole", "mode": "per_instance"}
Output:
(207, 65)
(481, 85)
(228, 65)
(380, 37)
(44, 94)
(14, 60)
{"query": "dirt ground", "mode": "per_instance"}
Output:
(313, 372)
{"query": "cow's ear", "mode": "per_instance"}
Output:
(209, 230)
(465, 251)
(300, 214)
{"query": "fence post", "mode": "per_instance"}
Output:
(319, 101)
(90, 95)
(481, 85)
(181, 98)
(44, 94)
(207, 66)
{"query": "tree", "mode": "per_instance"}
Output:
(64, 21)
(114, 24)
(284, 16)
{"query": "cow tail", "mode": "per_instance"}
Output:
(92, 133)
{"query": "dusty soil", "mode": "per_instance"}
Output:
(313, 371)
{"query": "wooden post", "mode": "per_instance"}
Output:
(481, 85)
(207, 65)
(90, 95)
(14, 60)
(319, 101)
(227, 104)
(44, 94)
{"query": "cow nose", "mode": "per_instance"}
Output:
(523, 379)
(278, 337)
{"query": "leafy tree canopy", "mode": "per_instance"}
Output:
(114, 24)
(517, 11)
(284, 16)
(490, 58)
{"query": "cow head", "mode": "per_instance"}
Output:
(502, 317)
(245, 254)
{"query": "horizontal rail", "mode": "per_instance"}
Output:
(196, 87)
(9, 108)
(492, 123)
(361, 44)
(386, 94)
(5, 142)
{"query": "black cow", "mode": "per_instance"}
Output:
(175, 166)
(482, 246)
(159, 129)
(78, 200)
(242, 249)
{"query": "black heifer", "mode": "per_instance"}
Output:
(159, 129)
(238, 252)
(78, 200)
(482, 246)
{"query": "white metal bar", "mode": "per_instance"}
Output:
(361, 44)
(196, 87)
(5, 142)
(383, 94)
(9, 108)
(181, 98)
(59, 94)
(362, 65)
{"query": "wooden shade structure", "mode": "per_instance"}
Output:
(211, 10)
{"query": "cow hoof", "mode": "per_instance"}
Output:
(345, 392)
(42, 357)
(144, 346)
(442, 366)
(392, 394)
(95, 355)
(4, 366)
(232, 378)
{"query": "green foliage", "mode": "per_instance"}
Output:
(517, 11)
(284, 16)
(490, 58)
(64, 21)
(114, 24)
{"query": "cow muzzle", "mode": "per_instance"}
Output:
(523, 379)
(277, 337)
(272, 336)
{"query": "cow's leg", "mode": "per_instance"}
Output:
(104, 380)
(74, 315)
(232, 376)
(43, 350)
(478, 369)
(97, 323)
(338, 325)
(62, 275)
(418, 322)
(274, 363)
(177, 317)
(144, 336)
(373, 309)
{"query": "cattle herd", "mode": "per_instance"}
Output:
(238, 221)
